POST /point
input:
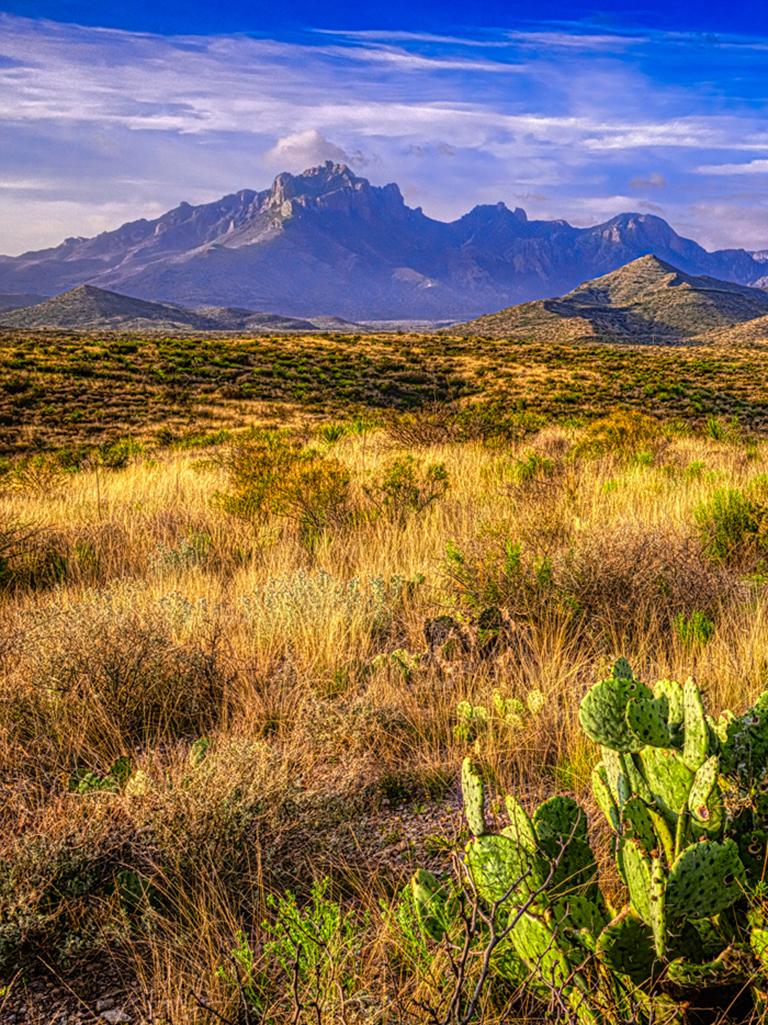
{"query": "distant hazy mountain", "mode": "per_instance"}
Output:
(328, 242)
(14, 301)
(646, 301)
(87, 307)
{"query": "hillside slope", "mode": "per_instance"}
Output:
(89, 308)
(648, 300)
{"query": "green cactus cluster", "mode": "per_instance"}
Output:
(85, 781)
(686, 801)
(473, 721)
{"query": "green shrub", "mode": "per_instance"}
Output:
(532, 466)
(732, 524)
(309, 957)
(505, 574)
(315, 496)
(694, 630)
(256, 468)
(404, 488)
(117, 454)
(274, 475)
(333, 432)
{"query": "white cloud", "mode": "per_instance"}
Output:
(306, 149)
(56, 219)
(753, 167)
(576, 40)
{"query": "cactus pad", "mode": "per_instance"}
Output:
(636, 869)
(577, 914)
(701, 789)
(536, 944)
(603, 712)
(647, 719)
(502, 870)
(658, 909)
(732, 967)
(430, 904)
(622, 670)
(561, 828)
(605, 802)
(635, 778)
(696, 742)
(663, 834)
(626, 946)
(704, 800)
(616, 776)
(673, 692)
(520, 828)
(473, 792)
(669, 778)
(637, 824)
(705, 879)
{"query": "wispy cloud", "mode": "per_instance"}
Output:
(726, 170)
(100, 123)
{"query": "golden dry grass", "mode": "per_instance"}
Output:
(332, 732)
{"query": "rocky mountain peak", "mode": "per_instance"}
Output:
(330, 187)
(314, 182)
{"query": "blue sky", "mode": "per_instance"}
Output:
(119, 110)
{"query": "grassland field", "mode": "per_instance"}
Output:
(59, 390)
(226, 716)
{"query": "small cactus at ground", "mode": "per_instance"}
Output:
(431, 905)
(504, 713)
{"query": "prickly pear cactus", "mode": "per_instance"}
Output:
(538, 942)
(696, 742)
(520, 828)
(561, 828)
(647, 719)
(635, 867)
(430, 903)
(625, 946)
(669, 780)
(686, 799)
(502, 870)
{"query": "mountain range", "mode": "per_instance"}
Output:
(648, 300)
(327, 242)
